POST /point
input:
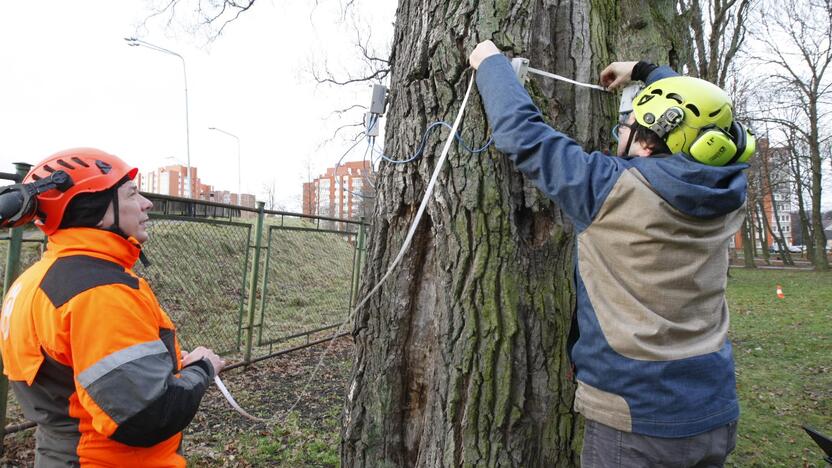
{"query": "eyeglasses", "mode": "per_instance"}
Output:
(617, 129)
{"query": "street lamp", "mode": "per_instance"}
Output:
(134, 42)
(239, 185)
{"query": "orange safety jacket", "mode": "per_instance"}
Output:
(93, 358)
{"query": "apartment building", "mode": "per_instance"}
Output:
(345, 193)
(230, 198)
(776, 197)
(170, 180)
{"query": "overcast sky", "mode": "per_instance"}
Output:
(71, 80)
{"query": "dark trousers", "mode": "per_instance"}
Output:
(605, 447)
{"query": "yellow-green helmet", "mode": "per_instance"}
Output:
(681, 109)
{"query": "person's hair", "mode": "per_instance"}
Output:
(649, 139)
(87, 209)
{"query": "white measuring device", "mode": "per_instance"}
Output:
(522, 69)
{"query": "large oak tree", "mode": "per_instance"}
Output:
(461, 356)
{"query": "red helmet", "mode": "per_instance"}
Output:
(91, 170)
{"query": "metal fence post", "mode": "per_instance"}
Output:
(264, 290)
(356, 264)
(12, 271)
(255, 273)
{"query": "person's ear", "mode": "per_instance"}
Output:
(644, 151)
(108, 214)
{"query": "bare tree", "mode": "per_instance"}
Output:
(776, 179)
(207, 18)
(717, 33)
(748, 240)
(269, 192)
(371, 66)
(798, 49)
(754, 234)
(798, 164)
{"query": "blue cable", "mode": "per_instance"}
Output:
(428, 130)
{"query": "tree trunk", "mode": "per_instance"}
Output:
(747, 231)
(778, 236)
(461, 356)
(805, 229)
(795, 165)
(760, 215)
(819, 238)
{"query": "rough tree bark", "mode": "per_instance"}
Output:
(796, 166)
(747, 232)
(461, 356)
(767, 156)
(800, 72)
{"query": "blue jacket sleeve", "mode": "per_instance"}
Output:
(578, 181)
(659, 73)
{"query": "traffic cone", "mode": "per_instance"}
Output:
(780, 294)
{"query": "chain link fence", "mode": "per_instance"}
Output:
(306, 284)
(244, 297)
(198, 272)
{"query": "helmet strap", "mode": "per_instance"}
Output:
(630, 140)
(116, 227)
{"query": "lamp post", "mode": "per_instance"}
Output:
(134, 42)
(239, 185)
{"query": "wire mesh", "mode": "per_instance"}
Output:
(30, 251)
(200, 268)
(308, 282)
(198, 273)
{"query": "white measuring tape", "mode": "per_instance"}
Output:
(409, 238)
(522, 69)
(233, 402)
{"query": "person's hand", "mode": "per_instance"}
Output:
(617, 75)
(203, 352)
(483, 50)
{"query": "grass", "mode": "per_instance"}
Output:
(783, 352)
(198, 275)
(783, 347)
(307, 436)
(310, 276)
(297, 444)
(294, 443)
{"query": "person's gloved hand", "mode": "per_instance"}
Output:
(483, 50)
(202, 352)
(617, 75)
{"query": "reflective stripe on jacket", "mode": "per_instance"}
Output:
(93, 358)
